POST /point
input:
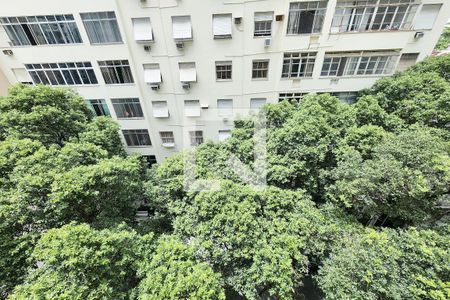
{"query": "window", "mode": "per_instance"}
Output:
(167, 138)
(257, 103)
(291, 97)
(223, 70)
(101, 27)
(365, 15)
(160, 109)
(406, 61)
(142, 30)
(41, 30)
(152, 74)
(222, 28)
(260, 69)
(225, 107)
(347, 97)
(72, 73)
(116, 71)
(150, 160)
(182, 28)
(99, 107)
(427, 16)
(192, 108)
(22, 75)
(263, 24)
(224, 134)
(306, 17)
(298, 64)
(196, 137)
(360, 63)
(137, 137)
(127, 108)
(187, 72)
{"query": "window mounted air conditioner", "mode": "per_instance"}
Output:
(279, 18)
(8, 52)
(238, 20)
(267, 42)
(419, 35)
(147, 48)
(155, 86)
(180, 45)
(186, 85)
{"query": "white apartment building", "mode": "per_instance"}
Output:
(176, 72)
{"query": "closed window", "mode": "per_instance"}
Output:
(192, 108)
(196, 137)
(257, 103)
(223, 70)
(98, 107)
(365, 15)
(297, 65)
(182, 28)
(101, 27)
(224, 134)
(167, 137)
(152, 74)
(306, 17)
(225, 107)
(291, 97)
(263, 24)
(71, 73)
(222, 26)
(116, 71)
(41, 30)
(260, 69)
(137, 137)
(142, 30)
(362, 63)
(160, 109)
(127, 108)
(407, 60)
(427, 16)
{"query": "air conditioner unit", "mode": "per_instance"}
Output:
(238, 20)
(186, 85)
(180, 45)
(204, 106)
(419, 35)
(155, 86)
(267, 42)
(8, 52)
(168, 145)
(334, 80)
(147, 48)
(279, 18)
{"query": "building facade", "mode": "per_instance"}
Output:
(175, 73)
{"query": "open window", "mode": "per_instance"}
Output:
(187, 72)
(152, 75)
(427, 16)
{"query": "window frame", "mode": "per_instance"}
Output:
(224, 68)
(89, 18)
(260, 69)
(108, 68)
(294, 26)
(77, 72)
(101, 106)
(196, 137)
(133, 104)
(306, 59)
(167, 138)
(128, 134)
(264, 22)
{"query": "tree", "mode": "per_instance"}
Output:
(173, 272)
(258, 240)
(78, 262)
(42, 113)
(405, 177)
(444, 40)
(436, 64)
(388, 264)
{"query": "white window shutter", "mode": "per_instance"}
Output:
(427, 16)
(257, 103)
(22, 75)
(182, 29)
(225, 107)
(142, 29)
(160, 109)
(222, 25)
(152, 73)
(187, 72)
(192, 108)
(263, 16)
(224, 134)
